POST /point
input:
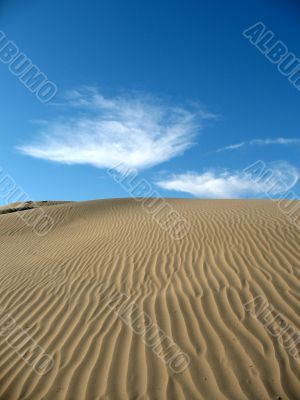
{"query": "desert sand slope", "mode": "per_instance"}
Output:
(58, 288)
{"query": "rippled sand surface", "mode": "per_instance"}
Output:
(198, 294)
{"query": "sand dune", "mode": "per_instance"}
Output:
(64, 290)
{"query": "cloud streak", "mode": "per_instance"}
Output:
(261, 142)
(234, 184)
(134, 130)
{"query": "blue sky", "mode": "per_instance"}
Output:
(171, 89)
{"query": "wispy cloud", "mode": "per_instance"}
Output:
(233, 184)
(135, 130)
(284, 141)
(261, 142)
(232, 147)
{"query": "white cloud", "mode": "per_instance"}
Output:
(261, 142)
(135, 130)
(273, 179)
